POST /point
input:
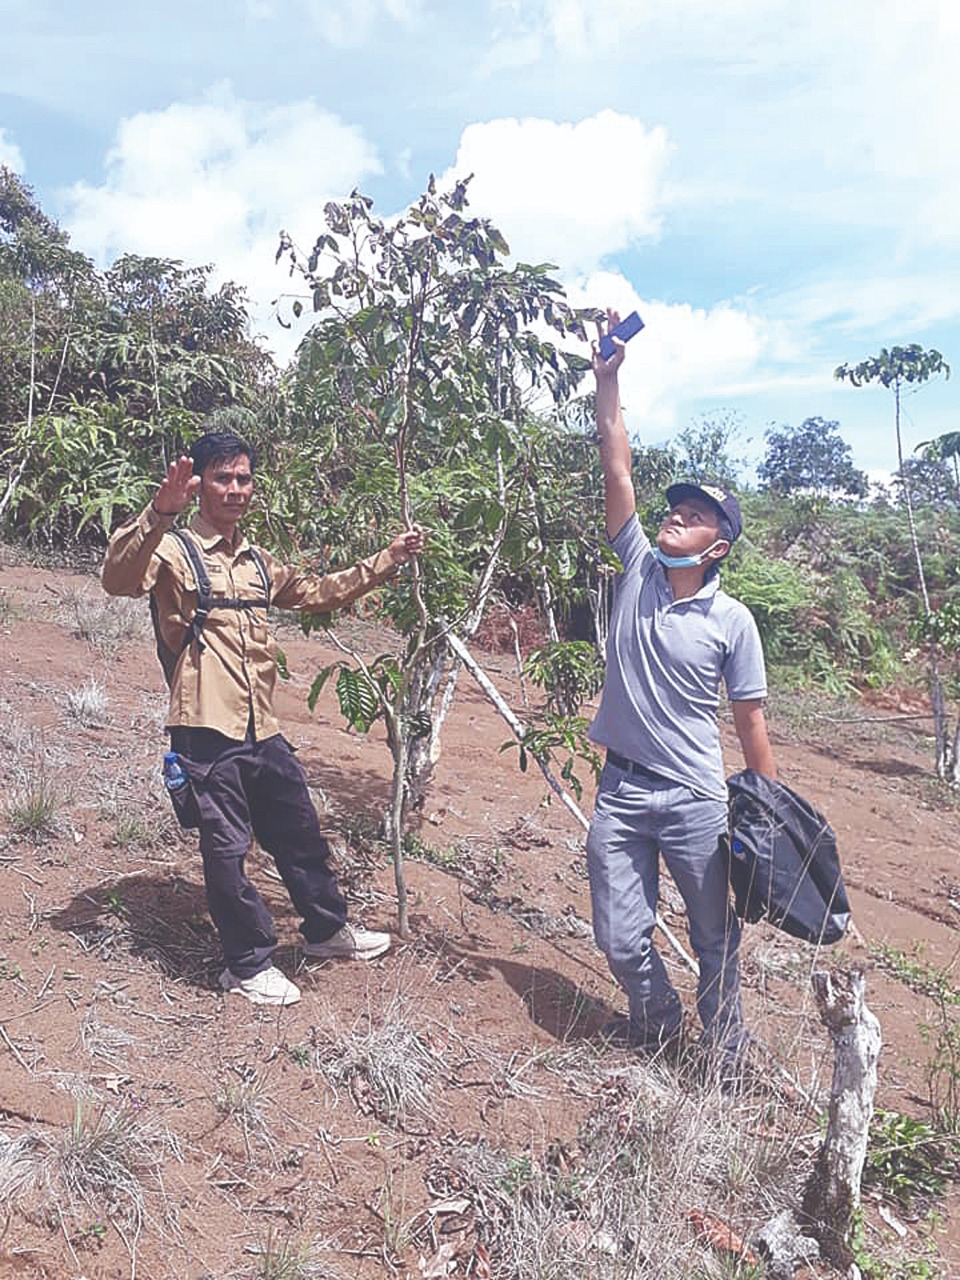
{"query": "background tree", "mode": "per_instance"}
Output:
(811, 459)
(704, 449)
(946, 450)
(930, 483)
(895, 369)
(103, 375)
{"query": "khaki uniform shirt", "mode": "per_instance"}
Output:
(231, 680)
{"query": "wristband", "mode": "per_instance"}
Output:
(168, 515)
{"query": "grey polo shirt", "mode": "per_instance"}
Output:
(665, 661)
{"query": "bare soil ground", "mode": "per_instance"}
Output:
(151, 1126)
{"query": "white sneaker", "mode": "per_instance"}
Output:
(269, 986)
(352, 942)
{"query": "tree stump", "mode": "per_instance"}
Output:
(832, 1195)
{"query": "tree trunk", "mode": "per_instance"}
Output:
(832, 1195)
(395, 824)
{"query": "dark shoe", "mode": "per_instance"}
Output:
(624, 1033)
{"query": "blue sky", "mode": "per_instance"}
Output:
(772, 183)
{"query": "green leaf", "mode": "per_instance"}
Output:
(319, 680)
(358, 699)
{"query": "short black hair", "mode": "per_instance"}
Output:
(220, 446)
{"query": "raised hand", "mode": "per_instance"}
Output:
(604, 368)
(177, 489)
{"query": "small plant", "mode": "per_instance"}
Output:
(113, 901)
(564, 733)
(447, 858)
(300, 1054)
(568, 671)
(246, 1102)
(88, 704)
(7, 611)
(906, 1159)
(925, 979)
(34, 803)
(943, 1068)
(284, 1260)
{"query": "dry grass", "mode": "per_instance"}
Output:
(34, 802)
(87, 704)
(7, 609)
(248, 1102)
(139, 813)
(105, 1163)
(617, 1203)
(34, 796)
(105, 622)
(388, 1067)
(289, 1259)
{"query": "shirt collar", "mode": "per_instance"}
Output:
(210, 539)
(706, 592)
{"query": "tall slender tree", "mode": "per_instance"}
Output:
(895, 369)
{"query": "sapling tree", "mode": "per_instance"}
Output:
(433, 370)
(896, 369)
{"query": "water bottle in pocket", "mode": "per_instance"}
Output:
(180, 790)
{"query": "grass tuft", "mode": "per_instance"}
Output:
(33, 805)
(88, 704)
(388, 1067)
(105, 622)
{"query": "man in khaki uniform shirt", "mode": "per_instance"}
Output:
(244, 775)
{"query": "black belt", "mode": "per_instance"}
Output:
(631, 766)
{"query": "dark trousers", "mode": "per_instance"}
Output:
(247, 789)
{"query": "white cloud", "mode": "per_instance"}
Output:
(572, 194)
(908, 303)
(215, 181)
(861, 92)
(10, 153)
(684, 353)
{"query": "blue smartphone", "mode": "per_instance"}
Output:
(624, 331)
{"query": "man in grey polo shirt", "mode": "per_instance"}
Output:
(674, 636)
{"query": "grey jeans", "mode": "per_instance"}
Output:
(634, 821)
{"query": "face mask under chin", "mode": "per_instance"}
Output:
(684, 562)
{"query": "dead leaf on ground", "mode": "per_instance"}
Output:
(721, 1237)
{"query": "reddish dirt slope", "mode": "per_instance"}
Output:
(108, 963)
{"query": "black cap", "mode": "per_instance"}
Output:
(717, 496)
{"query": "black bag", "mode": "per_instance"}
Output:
(784, 865)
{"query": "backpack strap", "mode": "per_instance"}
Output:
(204, 594)
(261, 564)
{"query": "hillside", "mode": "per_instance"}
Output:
(450, 1108)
